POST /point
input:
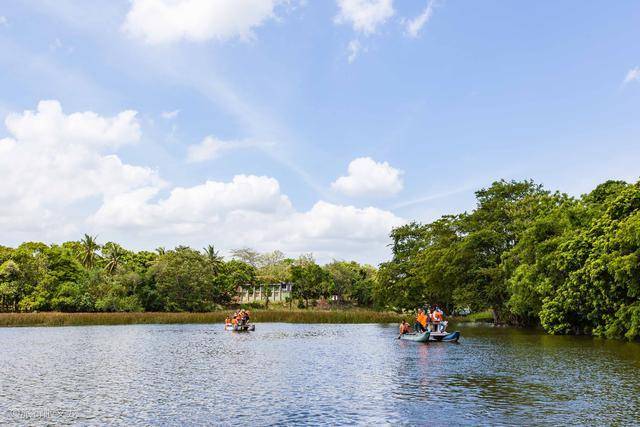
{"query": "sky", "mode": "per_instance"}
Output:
(303, 126)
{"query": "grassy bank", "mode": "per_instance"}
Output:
(287, 316)
(482, 316)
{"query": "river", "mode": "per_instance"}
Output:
(312, 374)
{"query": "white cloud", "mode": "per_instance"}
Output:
(203, 204)
(251, 211)
(354, 48)
(166, 21)
(51, 161)
(170, 115)
(632, 75)
(212, 147)
(364, 15)
(369, 178)
(3, 21)
(62, 177)
(413, 26)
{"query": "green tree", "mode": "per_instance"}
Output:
(89, 251)
(309, 281)
(185, 281)
(215, 260)
(114, 256)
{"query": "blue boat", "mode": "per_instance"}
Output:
(444, 336)
(417, 337)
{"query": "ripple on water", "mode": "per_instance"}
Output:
(312, 374)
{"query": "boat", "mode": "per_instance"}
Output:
(415, 336)
(444, 336)
(239, 328)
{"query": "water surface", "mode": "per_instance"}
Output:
(312, 374)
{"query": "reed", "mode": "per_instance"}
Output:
(285, 316)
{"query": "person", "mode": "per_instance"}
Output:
(405, 328)
(421, 321)
(429, 316)
(437, 318)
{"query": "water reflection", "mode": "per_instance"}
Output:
(310, 374)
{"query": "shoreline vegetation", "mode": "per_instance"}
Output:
(339, 316)
(529, 256)
(258, 316)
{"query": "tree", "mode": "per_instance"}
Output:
(9, 286)
(114, 255)
(214, 258)
(64, 286)
(184, 280)
(246, 255)
(89, 249)
(234, 275)
(309, 280)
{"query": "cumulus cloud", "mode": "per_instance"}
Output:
(414, 26)
(364, 15)
(62, 176)
(251, 211)
(52, 160)
(166, 21)
(632, 75)
(366, 177)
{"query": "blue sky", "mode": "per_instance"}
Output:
(249, 114)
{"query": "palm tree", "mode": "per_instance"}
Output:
(114, 255)
(161, 250)
(214, 258)
(90, 246)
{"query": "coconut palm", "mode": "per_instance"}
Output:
(89, 249)
(214, 258)
(114, 255)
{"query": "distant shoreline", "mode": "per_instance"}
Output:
(277, 315)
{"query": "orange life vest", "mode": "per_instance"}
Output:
(422, 319)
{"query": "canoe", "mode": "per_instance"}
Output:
(422, 337)
(240, 328)
(444, 336)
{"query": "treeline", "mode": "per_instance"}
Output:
(530, 255)
(84, 276)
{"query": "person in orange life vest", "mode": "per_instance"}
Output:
(437, 318)
(421, 321)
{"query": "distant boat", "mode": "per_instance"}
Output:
(239, 328)
(417, 337)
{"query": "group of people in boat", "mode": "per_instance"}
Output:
(240, 317)
(430, 320)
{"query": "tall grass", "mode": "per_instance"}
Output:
(286, 316)
(481, 316)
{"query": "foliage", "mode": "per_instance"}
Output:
(529, 256)
(88, 276)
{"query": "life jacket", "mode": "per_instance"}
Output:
(422, 319)
(437, 316)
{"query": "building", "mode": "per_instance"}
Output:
(256, 293)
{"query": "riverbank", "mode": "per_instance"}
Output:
(283, 315)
